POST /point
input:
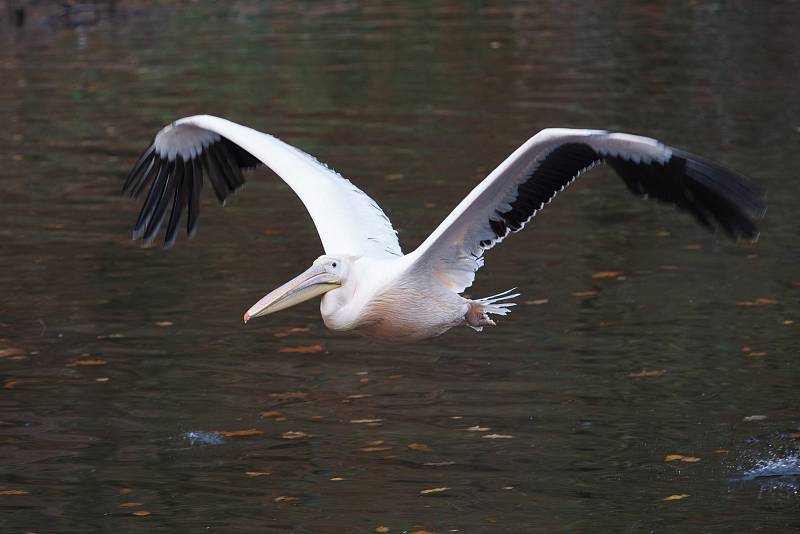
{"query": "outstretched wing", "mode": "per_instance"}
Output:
(548, 162)
(347, 220)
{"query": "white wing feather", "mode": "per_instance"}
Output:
(347, 220)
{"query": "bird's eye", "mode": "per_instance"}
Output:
(333, 264)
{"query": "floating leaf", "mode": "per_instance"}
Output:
(694, 247)
(497, 436)
(359, 396)
(365, 421)
(256, 473)
(271, 413)
(381, 529)
(589, 293)
(758, 354)
(682, 458)
(755, 418)
(439, 464)
(302, 349)
(131, 504)
(676, 497)
(289, 395)
(478, 428)
(286, 499)
(141, 513)
(239, 433)
(647, 372)
(294, 434)
(757, 302)
(163, 323)
(508, 488)
(434, 490)
(14, 492)
(537, 302)
(87, 363)
(418, 447)
(374, 449)
(336, 479)
(599, 275)
(663, 233)
(4, 353)
(294, 330)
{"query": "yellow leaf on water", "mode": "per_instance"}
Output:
(418, 447)
(647, 372)
(293, 434)
(163, 323)
(256, 473)
(336, 479)
(606, 274)
(381, 529)
(271, 413)
(434, 490)
(682, 458)
(141, 513)
(11, 352)
(374, 449)
(672, 457)
(14, 492)
(757, 302)
(289, 395)
(757, 354)
(676, 497)
(131, 504)
(87, 363)
(239, 433)
(589, 293)
(302, 349)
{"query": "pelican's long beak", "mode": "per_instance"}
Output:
(315, 281)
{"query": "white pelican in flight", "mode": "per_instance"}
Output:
(367, 284)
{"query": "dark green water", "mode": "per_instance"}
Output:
(415, 103)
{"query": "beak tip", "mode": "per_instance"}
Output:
(246, 317)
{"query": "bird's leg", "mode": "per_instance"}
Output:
(477, 317)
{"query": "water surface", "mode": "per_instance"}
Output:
(123, 368)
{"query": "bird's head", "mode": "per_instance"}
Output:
(326, 273)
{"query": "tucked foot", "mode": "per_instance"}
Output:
(477, 317)
(478, 314)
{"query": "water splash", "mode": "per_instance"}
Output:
(200, 438)
(776, 472)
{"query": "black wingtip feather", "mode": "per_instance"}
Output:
(180, 183)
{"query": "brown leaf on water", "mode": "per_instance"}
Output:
(647, 372)
(336, 479)
(286, 333)
(271, 413)
(4, 353)
(87, 363)
(433, 490)
(141, 513)
(537, 302)
(163, 323)
(289, 395)
(394, 377)
(419, 447)
(376, 442)
(754, 418)
(381, 529)
(721, 451)
(286, 499)
(676, 497)
(589, 293)
(497, 436)
(746, 349)
(681, 458)
(240, 433)
(374, 449)
(599, 275)
(270, 232)
(294, 434)
(302, 349)
(478, 428)
(359, 396)
(758, 354)
(256, 473)
(787, 322)
(365, 421)
(757, 302)
(131, 504)
(14, 492)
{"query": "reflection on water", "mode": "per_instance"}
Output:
(560, 418)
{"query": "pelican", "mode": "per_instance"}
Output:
(367, 284)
